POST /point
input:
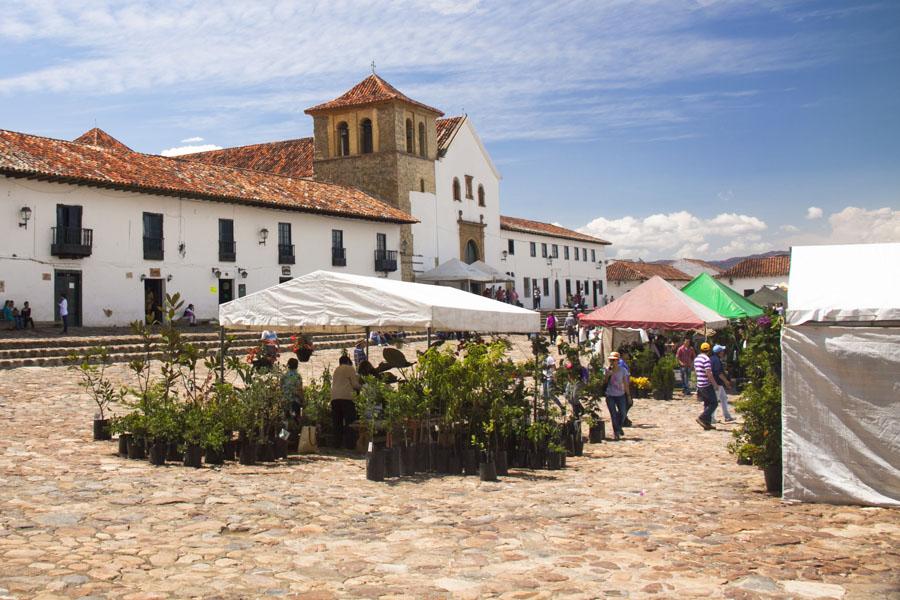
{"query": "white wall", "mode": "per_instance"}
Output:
(754, 283)
(111, 275)
(523, 265)
(436, 237)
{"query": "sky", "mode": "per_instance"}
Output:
(672, 128)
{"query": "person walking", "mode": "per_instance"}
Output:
(551, 327)
(26, 316)
(617, 393)
(344, 385)
(536, 297)
(706, 386)
(685, 356)
(64, 313)
(722, 380)
(292, 391)
(570, 323)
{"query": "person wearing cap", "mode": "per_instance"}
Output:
(617, 392)
(722, 380)
(706, 386)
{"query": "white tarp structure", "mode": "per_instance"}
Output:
(328, 302)
(495, 275)
(841, 376)
(454, 270)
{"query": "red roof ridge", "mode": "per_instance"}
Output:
(371, 90)
(778, 265)
(100, 139)
(446, 131)
(272, 143)
(631, 270)
(546, 229)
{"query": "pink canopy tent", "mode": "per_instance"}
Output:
(655, 304)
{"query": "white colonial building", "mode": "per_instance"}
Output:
(385, 188)
(625, 275)
(751, 274)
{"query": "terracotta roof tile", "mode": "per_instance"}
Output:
(291, 158)
(538, 228)
(371, 90)
(765, 266)
(30, 156)
(626, 270)
(446, 129)
(98, 137)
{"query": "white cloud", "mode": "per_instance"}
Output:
(192, 140)
(789, 228)
(814, 212)
(858, 225)
(524, 69)
(179, 150)
(680, 234)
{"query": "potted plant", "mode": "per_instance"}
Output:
(640, 386)
(369, 402)
(758, 439)
(302, 346)
(662, 378)
(91, 367)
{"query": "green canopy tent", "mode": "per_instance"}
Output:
(721, 298)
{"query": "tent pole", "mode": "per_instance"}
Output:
(221, 354)
(428, 339)
(367, 343)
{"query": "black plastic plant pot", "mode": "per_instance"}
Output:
(487, 471)
(407, 461)
(500, 462)
(101, 430)
(375, 465)
(280, 447)
(470, 461)
(136, 450)
(193, 455)
(392, 462)
(265, 452)
(538, 459)
(248, 453)
(454, 465)
(773, 479)
(421, 454)
(597, 433)
(579, 445)
(304, 354)
(230, 450)
(442, 460)
(554, 461)
(123, 444)
(158, 453)
(172, 452)
(213, 456)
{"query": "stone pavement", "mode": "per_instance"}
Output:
(666, 513)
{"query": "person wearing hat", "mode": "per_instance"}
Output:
(617, 393)
(706, 386)
(721, 379)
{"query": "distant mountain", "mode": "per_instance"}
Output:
(727, 263)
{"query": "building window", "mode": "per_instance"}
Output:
(527, 287)
(566, 252)
(554, 251)
(410, 137)
(227, 247)
(533, 249)
(422, 185)
(481, 195)
(338, 252)
(285, 245)
(456, 192)
(584, 254)
(546, 286)
(544, 250)
(423, 141)
(568, 288)
(511, 247)
(593, 255)
(365, 131)
(343, 134)
(153, 236)
(471, 252)
(575, 252)
(469, 180)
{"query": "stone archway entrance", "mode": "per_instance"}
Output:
(472, 254)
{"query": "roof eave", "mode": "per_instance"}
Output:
(126, 187)
(554, 235)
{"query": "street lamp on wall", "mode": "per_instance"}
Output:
(263, 236)
(25, 216)
(503, 255)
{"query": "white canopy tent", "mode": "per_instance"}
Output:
(495, 275)
(453, 270)
(841, 376)
(328, 302)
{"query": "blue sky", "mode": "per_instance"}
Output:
(694, 128)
